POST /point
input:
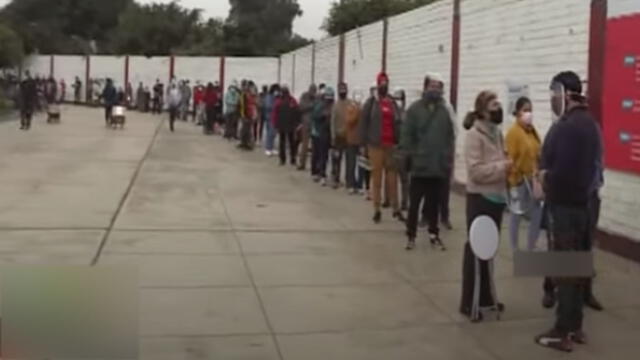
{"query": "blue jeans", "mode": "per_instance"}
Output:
(271, 136)
(535, 217)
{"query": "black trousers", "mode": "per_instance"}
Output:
(288, 138)
(477, 205)
(108, 113)
(319, 155)
(25, 118)
(445, 194)
(430, 190)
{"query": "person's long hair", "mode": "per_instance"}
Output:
(480, 109)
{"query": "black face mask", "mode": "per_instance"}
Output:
(383, 90)
(497, 116)
(343, 95)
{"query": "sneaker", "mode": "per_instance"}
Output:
(386, 205)
(268, 153)
(377, 217)
(554, 340)
(316, 178)
(447, 225)
(549, 299)
(593, 303)
(436, 242)
(353, 191)
(323, 182)
(578, 337)
(411, 244)
(399, 216)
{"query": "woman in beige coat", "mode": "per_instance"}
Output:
(487, 168)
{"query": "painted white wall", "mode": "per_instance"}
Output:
(67, 67)
(262, 70)
(112, 67)
(327, 54)
(203, 69)
(617, 8)
(304, 59)
(38, 66)
(419, 42)
(147, 70)
(286, 69)
(363, 57)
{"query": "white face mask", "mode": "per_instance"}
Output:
(527, 117)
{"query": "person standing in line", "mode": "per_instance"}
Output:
(207, 109)
(379, 133)
(109, 97)
(523, 148)
(185, 91)
(249, 114)
(400, 155)
(28, 99)
(487, 169)
(199, 110)
(63, 91)
(140, 97)
(307, 104)
(77, 90)
(286, 114)
(272, 98)
(321, 135)
(129, 95)
(157, 94)
(429, 140)
(353, 145)
(174, 97)
(232, 111)
(263, 114)
(344, 110)
(570, 167)
(51, 99)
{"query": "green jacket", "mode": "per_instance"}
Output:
(428, 137)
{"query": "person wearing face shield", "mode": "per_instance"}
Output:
(523, 148)
(307, 102)
(487, 170)
(428, 138)
(380, 133)
(571, 173)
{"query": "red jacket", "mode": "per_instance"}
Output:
(211, 98)
(198, 95)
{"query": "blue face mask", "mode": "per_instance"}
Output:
(432, 95)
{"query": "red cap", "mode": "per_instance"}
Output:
(383, 77)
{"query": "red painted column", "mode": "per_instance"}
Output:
(52, 66)
(223, 65)
(597, 47)
(172, 67)
(126, 70)
(313, 63)
(385, 43)
(341, 55)
(293, 75)
(455, 55)
(87, 77)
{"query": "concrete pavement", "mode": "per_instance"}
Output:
(242, 259)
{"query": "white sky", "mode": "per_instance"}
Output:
(308, 25)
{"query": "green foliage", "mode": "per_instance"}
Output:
(261, 27)
(350, 14)
(11, 48)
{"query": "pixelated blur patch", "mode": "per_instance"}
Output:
(69, 312)
(553, 264)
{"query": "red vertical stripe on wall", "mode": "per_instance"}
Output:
(341, 54)
(597, 47)
(126, 70)
(223, 65)
(52, 66)
(172, 67)
(313, 63)
(385, 43)
(455, 55)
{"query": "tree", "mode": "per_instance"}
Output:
(350, 14)
(63, 26)
(11, 48)
(261, 27)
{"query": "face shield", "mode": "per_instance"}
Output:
(557, 95)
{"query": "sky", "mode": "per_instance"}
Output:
(308, 25)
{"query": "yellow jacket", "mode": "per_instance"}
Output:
(523, 148)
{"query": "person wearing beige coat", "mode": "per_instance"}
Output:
(487, 169)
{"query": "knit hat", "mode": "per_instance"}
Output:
(382, 77)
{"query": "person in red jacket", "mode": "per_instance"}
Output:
(198, 99)
(210, 101)
(286, 118)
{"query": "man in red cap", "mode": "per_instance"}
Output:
(380, 133)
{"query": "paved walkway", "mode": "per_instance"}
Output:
(242, 259)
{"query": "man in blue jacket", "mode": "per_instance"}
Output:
(570, 158)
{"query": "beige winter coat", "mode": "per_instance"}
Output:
(486, 160)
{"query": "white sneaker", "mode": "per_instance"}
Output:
(353, 191)
(323, 182)
(268, 153)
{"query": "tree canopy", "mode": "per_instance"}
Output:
(350, 14)
(11, 48)
(253, 27)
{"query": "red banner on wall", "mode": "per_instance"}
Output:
(621, 95)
